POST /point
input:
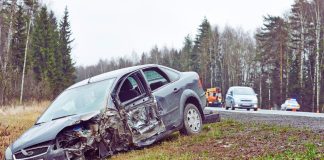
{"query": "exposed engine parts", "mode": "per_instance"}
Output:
(79, 140)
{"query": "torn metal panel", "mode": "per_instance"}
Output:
(143, 121)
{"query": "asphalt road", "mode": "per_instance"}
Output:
(313, 121)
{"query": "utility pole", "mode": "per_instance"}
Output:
(25, 56)
(260, 94)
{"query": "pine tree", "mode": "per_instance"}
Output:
(203, 49)
(43, 48)
(186, 53)
(273, 41)
(39, 45)
(18, 41)
(54, 57)
(68, 68)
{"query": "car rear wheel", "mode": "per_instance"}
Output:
(192, 120)
(248, 109)
(255, 109)
(233, 108)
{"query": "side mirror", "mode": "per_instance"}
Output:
(231, 93)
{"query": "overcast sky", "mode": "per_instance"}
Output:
(106, 29)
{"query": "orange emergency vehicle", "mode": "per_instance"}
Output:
(214, 97)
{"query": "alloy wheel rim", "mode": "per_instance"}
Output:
(193, 120)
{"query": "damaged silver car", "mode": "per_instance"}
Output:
(115, 111)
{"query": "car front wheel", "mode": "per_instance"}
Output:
(192, 120)
(233, 108)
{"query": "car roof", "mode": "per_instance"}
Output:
(112, 74)
(233, 87)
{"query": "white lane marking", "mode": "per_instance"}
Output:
(272, 112)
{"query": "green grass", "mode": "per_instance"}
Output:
(234, 140)
(310, 154)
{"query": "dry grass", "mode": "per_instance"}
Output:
(14, 120)
(224, 140)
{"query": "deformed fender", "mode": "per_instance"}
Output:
(184, 97)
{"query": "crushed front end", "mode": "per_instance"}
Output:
(97, 138)
(94, 138)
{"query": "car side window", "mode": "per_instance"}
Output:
(229, 91)
(130, 89)
(155, 78)
(171, 74)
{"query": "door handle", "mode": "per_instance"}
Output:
(176, 90)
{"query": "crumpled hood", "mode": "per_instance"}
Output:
(48, 131)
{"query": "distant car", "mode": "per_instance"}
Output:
(214, 97)
(241, 97)
(115, 111)
(290, 104)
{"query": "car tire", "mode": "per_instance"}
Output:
(255, 109)
(226, 108)
(192, 120)
(248, 109)
(233, 108)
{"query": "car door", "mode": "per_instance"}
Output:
(139, 108)
(167, 93)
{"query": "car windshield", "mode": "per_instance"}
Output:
(244, 91)
(292, 101)
(83, 99)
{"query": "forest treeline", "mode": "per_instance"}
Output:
(282, 59)
(34, 51)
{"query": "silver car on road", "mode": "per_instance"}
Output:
(241, 97)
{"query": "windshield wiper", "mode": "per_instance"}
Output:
(39, 123)
(63, 117)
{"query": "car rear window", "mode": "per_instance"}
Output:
(152, 75)
(155, 78)
(173, 76)
(292, 101)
